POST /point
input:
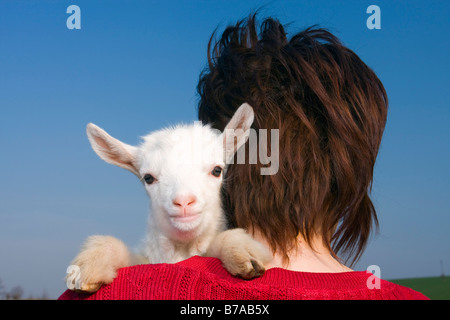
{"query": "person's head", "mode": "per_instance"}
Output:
(330, 109)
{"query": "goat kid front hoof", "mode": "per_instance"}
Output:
(74, 281)
(90, 287)
(252, 269)
(245, 267)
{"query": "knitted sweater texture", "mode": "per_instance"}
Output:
(200, 278)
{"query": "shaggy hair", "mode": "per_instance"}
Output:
(330, 109)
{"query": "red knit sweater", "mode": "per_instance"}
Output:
(199, 278)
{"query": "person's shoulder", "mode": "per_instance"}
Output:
(138, 282)
(395, 291)
(362, 285)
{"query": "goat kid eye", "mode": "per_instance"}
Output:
(216, 171)
(149, 179)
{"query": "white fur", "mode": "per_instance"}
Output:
(186, 216)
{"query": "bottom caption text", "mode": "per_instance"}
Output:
(226, 309)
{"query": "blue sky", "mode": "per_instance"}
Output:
(133, 67)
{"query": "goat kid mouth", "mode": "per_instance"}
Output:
(185, 218)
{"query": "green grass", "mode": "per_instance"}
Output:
(434, 288)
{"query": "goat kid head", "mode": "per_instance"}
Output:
(181, 168)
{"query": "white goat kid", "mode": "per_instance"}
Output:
(182, 169)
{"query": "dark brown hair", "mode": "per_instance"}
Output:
(330, 109)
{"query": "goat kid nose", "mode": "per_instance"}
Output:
(184, 201)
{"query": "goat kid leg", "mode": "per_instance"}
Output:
(240, 254)
(98, 262)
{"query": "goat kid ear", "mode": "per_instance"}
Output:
(237, 131)
(112, 150)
